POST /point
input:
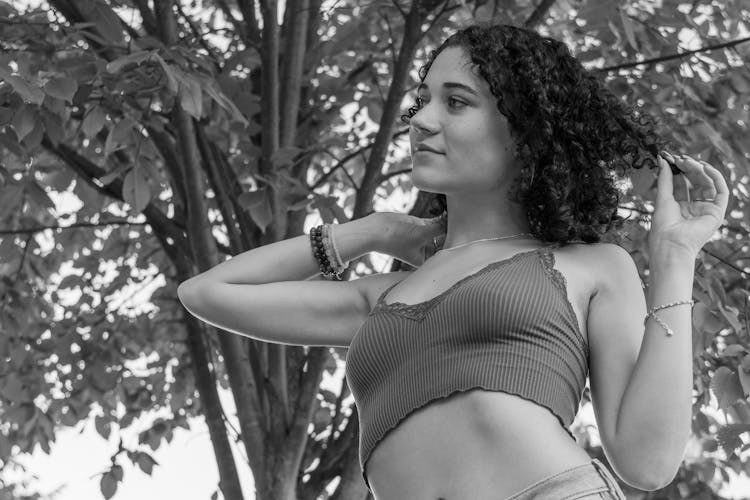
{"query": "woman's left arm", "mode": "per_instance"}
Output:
(643, 381)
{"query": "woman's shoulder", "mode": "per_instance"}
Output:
(593, 263)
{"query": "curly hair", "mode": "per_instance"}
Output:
(572, 134)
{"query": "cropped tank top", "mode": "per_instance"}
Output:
(507, 327)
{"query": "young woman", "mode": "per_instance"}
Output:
(468, 371)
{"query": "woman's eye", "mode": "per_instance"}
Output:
(420, 102)
(456, 100)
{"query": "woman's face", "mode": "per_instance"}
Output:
(476, 151)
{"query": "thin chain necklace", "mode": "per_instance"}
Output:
(486, 239)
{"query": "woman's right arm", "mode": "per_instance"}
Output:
(263, 293)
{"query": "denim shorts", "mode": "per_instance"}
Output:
(587, 481)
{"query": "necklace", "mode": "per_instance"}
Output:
(484, 239)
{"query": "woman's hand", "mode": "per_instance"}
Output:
(409, 238)
(686, 225)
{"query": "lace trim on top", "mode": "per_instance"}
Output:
(420, 309)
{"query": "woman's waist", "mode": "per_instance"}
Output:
(494, 441)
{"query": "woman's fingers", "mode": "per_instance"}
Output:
(720, 185)
(699, 184)
(702, 184)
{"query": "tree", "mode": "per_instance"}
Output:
(190, 130)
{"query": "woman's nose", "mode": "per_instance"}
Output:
(421, 122)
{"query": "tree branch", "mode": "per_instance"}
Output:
(31, 230)
(221, 192)
(294, 54)
(88, 171)
(539, 14)
(678, 55)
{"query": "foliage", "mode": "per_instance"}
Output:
(166, 122)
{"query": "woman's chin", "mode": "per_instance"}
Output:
(423, 182)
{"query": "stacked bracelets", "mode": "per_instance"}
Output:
(325, 251)
(659, 320)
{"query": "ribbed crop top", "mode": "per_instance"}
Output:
(507, 327)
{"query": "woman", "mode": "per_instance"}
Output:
(467, 371)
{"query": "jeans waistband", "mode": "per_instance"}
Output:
(591, 477)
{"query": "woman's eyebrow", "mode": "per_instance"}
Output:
(450, 85)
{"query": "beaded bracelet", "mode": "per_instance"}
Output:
(664, 306)
(325, 251)
(316, 240)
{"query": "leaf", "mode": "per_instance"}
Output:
(739, 83)
(108, 485)
(321, 419)
(191, 96)
(134, 58)
(118, 136)
(729, 436)
(615, 32)
(117, 472)
(731, 314)
(12, 389)
(743, 370)
(34, 138)
(6, 114)
(251, 198)
(38, 194)
(103, 426)
(53, 127)
(111, 176)
(23, 121)
(5, 447)
(703, 130)
(70, 281)
(212, 89)
(59, 178)
(258, 204)
(62, 88)
(94, 121)
(9, 141)
(726, 387)
(302, 204)
(329, 396)
(733, 350)
(135, 189)
(172, 84)
(146, 462)
(627, 24)
(283, 157)
(28, 92)
(108, 23)
(375, 109)
(329, 209)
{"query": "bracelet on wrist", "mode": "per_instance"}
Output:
(652, 314)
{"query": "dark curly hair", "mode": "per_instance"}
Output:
(572, 134)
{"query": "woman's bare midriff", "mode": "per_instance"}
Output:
(473, 445)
